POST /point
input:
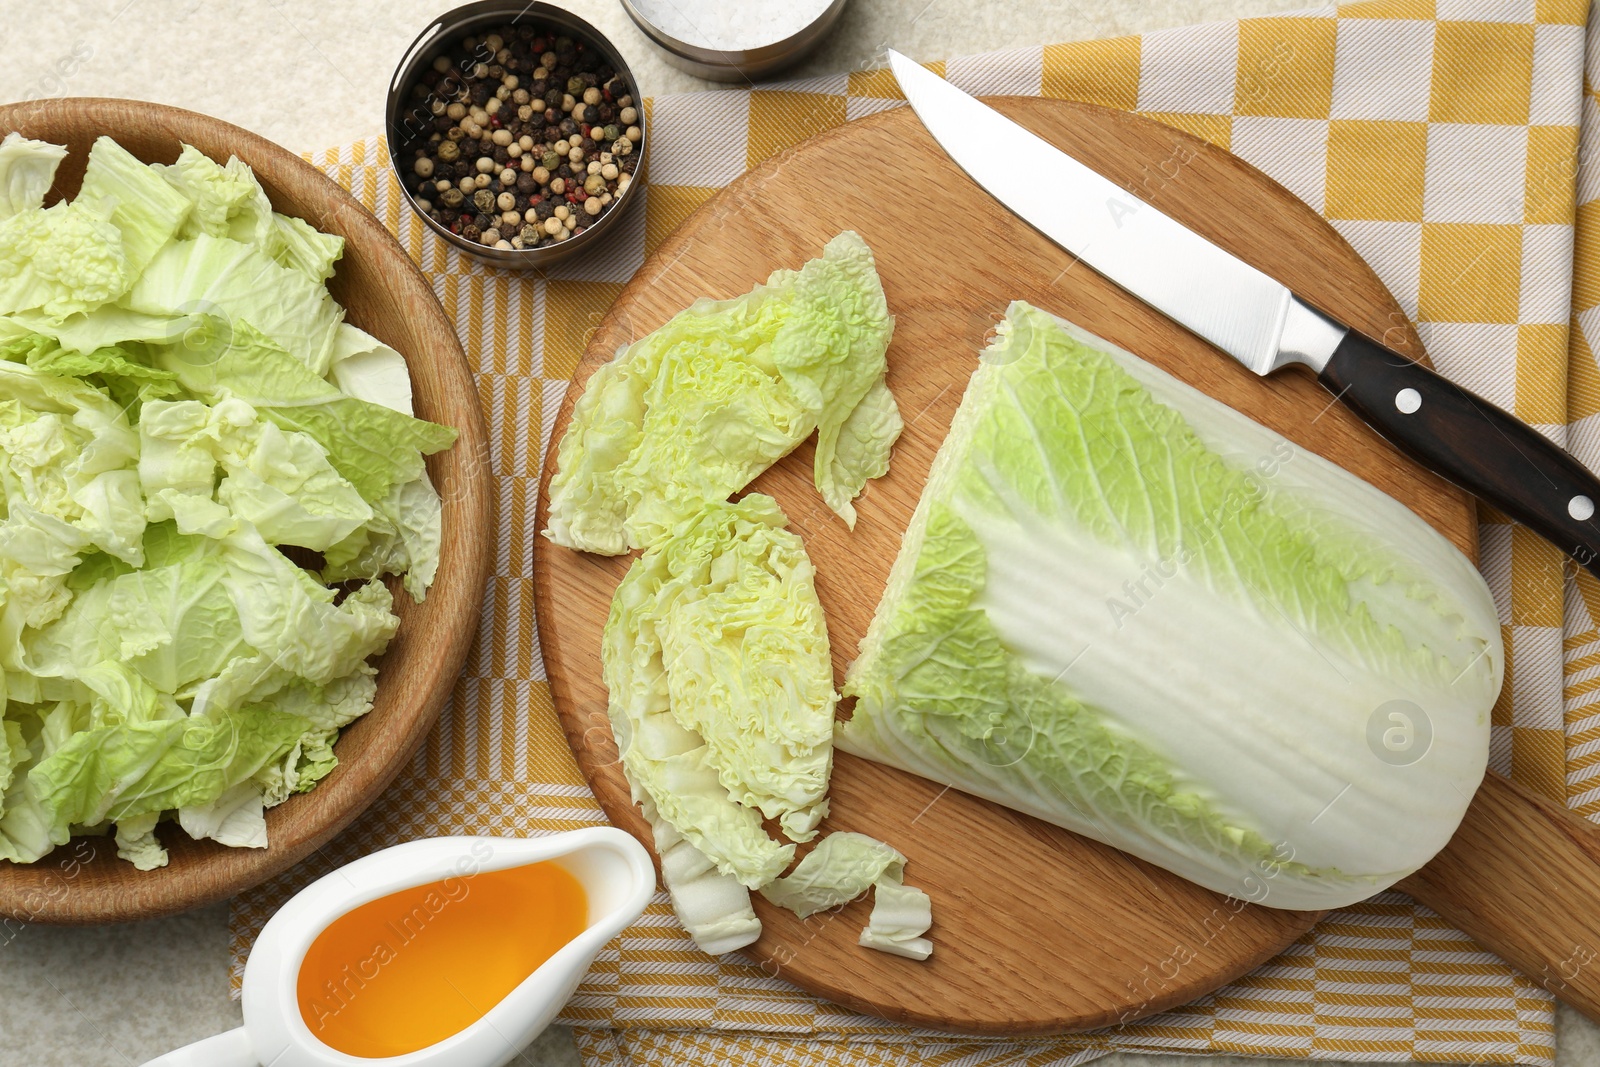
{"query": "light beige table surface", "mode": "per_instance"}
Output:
(310, 74)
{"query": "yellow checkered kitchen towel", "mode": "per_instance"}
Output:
(1442, 140)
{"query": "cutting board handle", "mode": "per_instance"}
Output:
(1522, 876)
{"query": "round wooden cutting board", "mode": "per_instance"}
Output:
(1035, 930)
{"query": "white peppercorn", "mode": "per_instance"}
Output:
(467, 184)
(552, 225)
(506, 201)
(423, 167)
(490, 236)
(634, 134)
(502, 94)
(540, 175)
(501, 137)
(441, 64)
(510, 220)
(525, 143)
(558, 186)
(562, 235)
(606, 198)
(568, 103)
(593, 205)
(624, 101)
(526, 163)
(492, 105)
(508, 177)
(517, 242)
(485, 164)
(480, 71)
(530, 215)
(481, 182)
(628, 116)
(608, 171)
(562, 211)
(424, 205)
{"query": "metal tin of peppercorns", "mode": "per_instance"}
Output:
(745, 64)
(478, 134)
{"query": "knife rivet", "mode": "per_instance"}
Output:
(1581, 508)
(1408, 401)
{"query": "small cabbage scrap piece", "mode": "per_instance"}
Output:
(27, 170)
(1129, 610)
(691, 413)
(61, 260)
(366, 368)
(901, 914)
(244, 284)
(144, 208)
(842, 867)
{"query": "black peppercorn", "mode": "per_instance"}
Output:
(501, 156)
(443, 123)
(605, 113)
(544, 209)
(568, 127)
(471, 231)
(525, 184)
(486, 146)
(479, 93)
(588, 145)
(483, 222)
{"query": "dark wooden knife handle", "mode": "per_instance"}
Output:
(1473, 443)
(1522, 876)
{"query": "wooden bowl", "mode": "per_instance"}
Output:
(385, 294)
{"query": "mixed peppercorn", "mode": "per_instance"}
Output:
(520, 138)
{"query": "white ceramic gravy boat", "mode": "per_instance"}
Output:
(614, 870)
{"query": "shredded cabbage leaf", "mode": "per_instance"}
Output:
(1129, 610)
(716, 657)
(691, 413)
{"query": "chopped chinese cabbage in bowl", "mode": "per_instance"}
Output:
(206, 475)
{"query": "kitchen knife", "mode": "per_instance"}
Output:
(1259, 321)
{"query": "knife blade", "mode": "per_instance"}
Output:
(1258, 320)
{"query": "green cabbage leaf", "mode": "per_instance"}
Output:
(691, 413)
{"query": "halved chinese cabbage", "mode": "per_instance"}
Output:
(689, 414)
(1127, 609)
